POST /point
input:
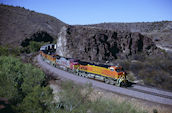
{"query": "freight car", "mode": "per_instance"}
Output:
(110, 74)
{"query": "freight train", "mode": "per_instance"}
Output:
(110, 74)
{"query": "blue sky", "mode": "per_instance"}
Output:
(99, 11)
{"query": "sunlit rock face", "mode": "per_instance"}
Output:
(61, 48)
(100, 45)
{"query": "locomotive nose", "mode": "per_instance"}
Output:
(120, 73)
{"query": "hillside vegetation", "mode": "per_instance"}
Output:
(136, 26)
(153, 71)
(23, 86)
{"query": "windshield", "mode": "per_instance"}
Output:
(118, 70)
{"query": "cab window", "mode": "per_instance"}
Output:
(118, 70)
(111, 69)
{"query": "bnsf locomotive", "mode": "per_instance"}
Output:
(108, 73)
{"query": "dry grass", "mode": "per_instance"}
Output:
(97, 99)
(137, 103)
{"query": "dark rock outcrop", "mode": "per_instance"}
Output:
(91, 44)
(160, 32)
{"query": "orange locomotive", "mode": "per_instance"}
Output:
(106, 73)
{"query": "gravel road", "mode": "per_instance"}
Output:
(123, 91)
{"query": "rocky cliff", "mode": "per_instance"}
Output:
(91, 44)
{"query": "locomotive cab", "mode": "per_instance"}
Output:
(119, 75)
(117, 71)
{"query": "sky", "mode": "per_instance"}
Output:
(99, 11)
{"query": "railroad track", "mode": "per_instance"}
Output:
(136, 91)
(152, 91)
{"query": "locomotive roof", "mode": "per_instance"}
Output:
(80, 62)
(45, 51)
(106, 66)
(101, 65)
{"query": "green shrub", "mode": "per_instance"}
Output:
(22, 84)
(32, 47)
(37, 101)
(5, 51)
(24, 76)
(35, 46)
(10, 73)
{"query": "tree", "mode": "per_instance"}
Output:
(37, 101)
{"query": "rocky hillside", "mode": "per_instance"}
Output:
(17, 24)
(91, 43)
(136, 27)
(160, 32)
(100, 45)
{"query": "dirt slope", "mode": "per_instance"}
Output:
(17, 24)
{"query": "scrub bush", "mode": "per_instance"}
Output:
(22, 84)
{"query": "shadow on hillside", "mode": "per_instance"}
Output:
(38, 37)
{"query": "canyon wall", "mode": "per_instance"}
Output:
(99, 45)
